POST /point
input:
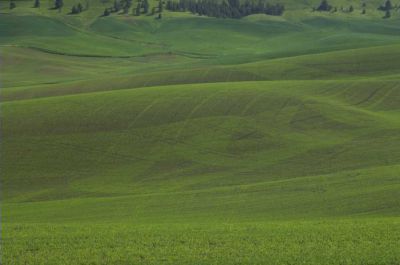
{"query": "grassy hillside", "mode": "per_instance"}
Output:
(354, 64)
(195, 140)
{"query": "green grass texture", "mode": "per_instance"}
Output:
(193, 140)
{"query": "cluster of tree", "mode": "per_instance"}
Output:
(118, 5)
(387, 8)
(142, 7)
(76, 9)
(364, 8)
(230, 9)
(159, 9)
(324, 6)
(58, 4)
(160, 6)
(106, 12)
(12, 4)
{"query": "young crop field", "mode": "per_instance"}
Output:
(151, 132)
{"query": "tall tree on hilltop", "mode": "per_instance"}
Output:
(117, 5)
(74, 10)
(12, 4)
(127, 5)
(146, 6)
(388, 5)
(58, 4)
(138, 9)
(106, 12)
(160, 6)
(324, 6)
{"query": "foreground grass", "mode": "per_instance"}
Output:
(217, 173)
(340, 242)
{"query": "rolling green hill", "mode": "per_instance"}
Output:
(197, 140)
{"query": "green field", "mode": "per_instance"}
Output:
(195, 140)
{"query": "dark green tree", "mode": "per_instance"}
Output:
(351, 9)
(169, 5)
(117, 5)
(106, 12)
(74, 10)
(388, 5)
(364, 8)
(234, 3)
(224, 9)
(127, 6)
(146, 6)
(160, 6)
(12, 5)
(58, 4)
(324, 6)
(138, 9)
(36, 4)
